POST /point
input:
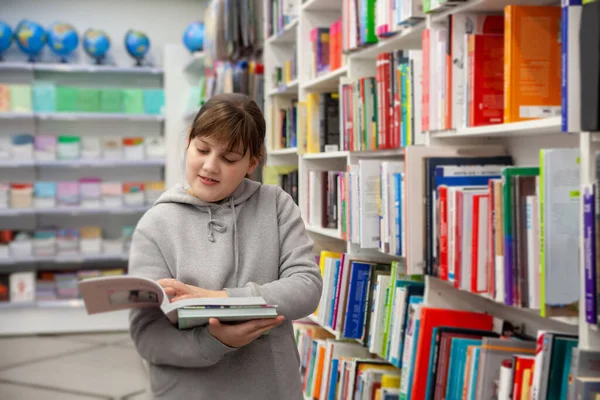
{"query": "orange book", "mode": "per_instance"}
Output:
(433, 318)
(319, 372)
(4, 98)
(532, 62)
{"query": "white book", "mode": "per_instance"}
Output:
(396, 332)
(388, 169)
(559, 187)
(22, 287)
(369, 199)
(324, 304)
(571, 91)
(316, 209)
(505, 383)
(482, 243)
(355, 203)
(383, 283)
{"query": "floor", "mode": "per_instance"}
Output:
(69, 367)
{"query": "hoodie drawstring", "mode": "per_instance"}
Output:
(221, 227)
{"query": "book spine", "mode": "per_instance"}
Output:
(589, 248)
(507, 202)
(458, 206)
(443, 232)
(542, 218)
(475, 244)
(508, 87)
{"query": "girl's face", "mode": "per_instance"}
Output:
(212, 171)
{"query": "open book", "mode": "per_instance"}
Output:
(113, 293)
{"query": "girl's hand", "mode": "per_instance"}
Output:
(179, 290)
(242, 334)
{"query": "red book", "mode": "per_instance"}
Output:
(384, 131)
(443, 232)
(397, 110)
(458, 229)
(486, 79)
(491, 253)
(522, 363)
(433, 318)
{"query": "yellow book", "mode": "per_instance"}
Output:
(312, 137)
(322, 260)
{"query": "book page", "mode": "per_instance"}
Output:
(121, 292)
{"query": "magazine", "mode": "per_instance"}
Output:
(114, 293)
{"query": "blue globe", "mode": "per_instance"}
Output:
(6, 37)
(193, 37)
(137, 44)
(62, 39)
(96, 44)
(31, 37)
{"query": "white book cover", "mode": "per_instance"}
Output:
(388, 169)
(396, 332)
(571, 84)
(482, 243)
(377, 338)
(409, 348)
(373, 314)
(325, 304)
(369, 199)
(316, 209)
(22, 287)
(416, 60)
(560, 169)
(415, 194)
(355, 206)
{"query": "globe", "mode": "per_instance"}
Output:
(62, 39)
(193, 37)
(137, 45)
(96, 44)
(6, 37)
(31, 37)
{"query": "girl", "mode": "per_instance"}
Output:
(225, 235)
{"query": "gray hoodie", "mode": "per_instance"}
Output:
(251, 244)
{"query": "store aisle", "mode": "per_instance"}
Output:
(69, 367)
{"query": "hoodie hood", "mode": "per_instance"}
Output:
(243, 192)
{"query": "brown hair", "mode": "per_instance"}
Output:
(232, 118)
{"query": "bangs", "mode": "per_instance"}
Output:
(227, 125)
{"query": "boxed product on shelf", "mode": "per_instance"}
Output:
(21, 195)
(44, 194)
(112, 148)
(68, 193)
(133, 101)
(111, 100)
(66, 99)
(88, 100)
(44, 243)
(133, 148)
(133, 194)
(44, 96)
(91, 148)
(21, 245)
(4, 195)
(68, 148)
(4, 98)
(5, 239)
(152, 191)
(154, 101)
(90, 192)
(22, 287)
(127, 236)
(155, 147)
(112, 194)
(45, 147)
(20, 98)
(5, 148)
(67, 241)
(90, 241)
(66, 285)
(22, 146)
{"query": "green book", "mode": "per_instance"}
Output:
(133, 101)
(560, 363)
(20, 98)
(507, 222)
(111, 100)
(66, 99)
(88, 100)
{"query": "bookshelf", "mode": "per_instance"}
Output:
(521, 140)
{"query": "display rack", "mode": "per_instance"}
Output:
(62, 316)
(522, 140)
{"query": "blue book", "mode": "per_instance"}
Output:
(357, 300)
(432, 357)
(415, 337)
(414, 295)
(336, 274)
(333, 379)
(570, 60)
(456, 372)
(399, 182)
(474, 370)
